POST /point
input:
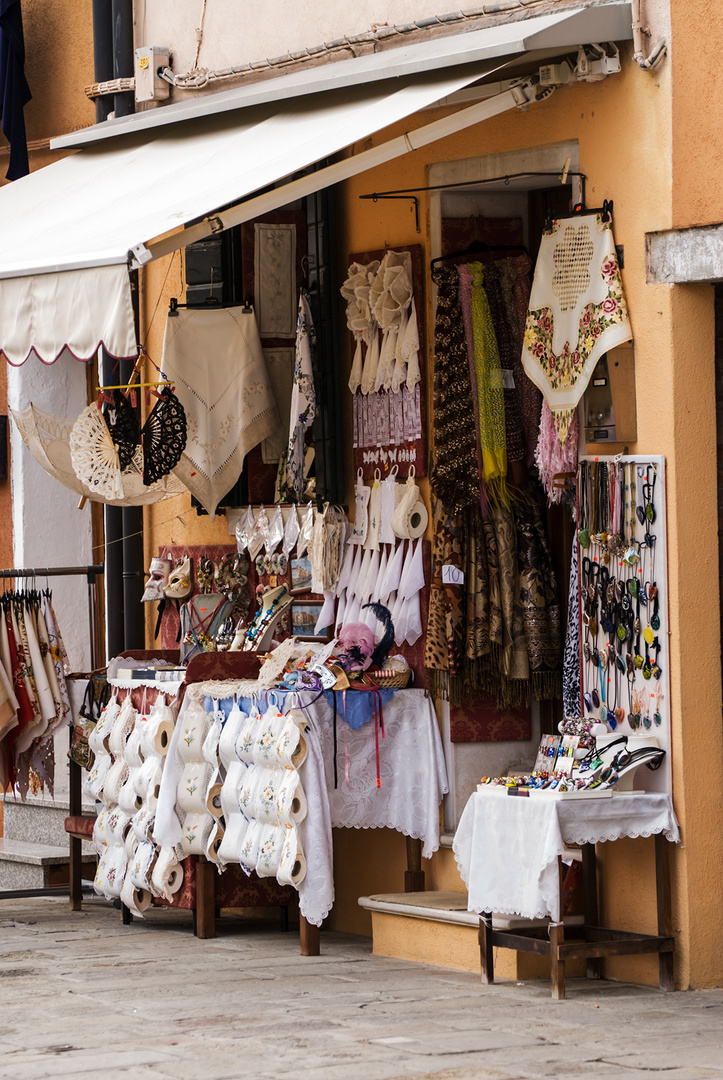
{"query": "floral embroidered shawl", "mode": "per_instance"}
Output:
(577, 311)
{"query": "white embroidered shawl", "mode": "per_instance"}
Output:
(577, 311)
(214, 358)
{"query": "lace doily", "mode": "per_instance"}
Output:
(164, 437)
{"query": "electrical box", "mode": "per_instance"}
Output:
(609, 407)
(149, 60)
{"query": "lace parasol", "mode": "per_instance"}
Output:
(46, 437)
(164, 437)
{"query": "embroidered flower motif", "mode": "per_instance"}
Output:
(189, 737)
(191, 787)
(111, 875)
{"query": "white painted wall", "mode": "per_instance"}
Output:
(48, 529)
(238, 31)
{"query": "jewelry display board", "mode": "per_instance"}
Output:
(623, 590)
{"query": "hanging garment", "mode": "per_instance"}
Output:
(454, 476)
(465, 303)
(14, 89)
(540, 601)
(571, 654)
(303, 403)
(490, 391)
(577, 311)
(511, 367)
(553, 457)
(215, 359)
(515, 281)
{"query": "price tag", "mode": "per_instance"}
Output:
(508, 379)
(452, 575)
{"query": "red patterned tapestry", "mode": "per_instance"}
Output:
(479, 721)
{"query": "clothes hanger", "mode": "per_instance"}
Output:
(477, 247)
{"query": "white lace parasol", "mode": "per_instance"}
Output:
(47, 438)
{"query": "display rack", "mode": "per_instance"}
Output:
(659, 780)
(75, 796)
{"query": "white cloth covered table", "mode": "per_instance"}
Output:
(506, 848)
(412, 771)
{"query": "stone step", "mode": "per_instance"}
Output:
(25, 865)
(38, 821)
(444, 932)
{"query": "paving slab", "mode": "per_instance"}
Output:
(83, 996)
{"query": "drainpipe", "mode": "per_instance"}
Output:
(647, 63)
(102, 56)
(122, 16)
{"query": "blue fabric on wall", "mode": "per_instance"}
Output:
(14, 89)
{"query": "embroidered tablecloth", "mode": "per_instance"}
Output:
(411, 768)
(506, 848)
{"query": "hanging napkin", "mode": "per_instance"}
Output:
(307, 528)
(371, 362)
(215, 359)
(577, 311)
(393, 575)
(291, 532)
(362, 495)
(372, 537)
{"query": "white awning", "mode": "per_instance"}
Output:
(70, 230)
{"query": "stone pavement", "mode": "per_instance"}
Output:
(83, 996)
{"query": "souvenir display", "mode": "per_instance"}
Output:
(386, 377)
(34, 702)
(130, 749)
(290, 480)
(623, 594)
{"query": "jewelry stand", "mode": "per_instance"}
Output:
(257, 637)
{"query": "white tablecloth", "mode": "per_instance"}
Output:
(507, 847)
(412, 771)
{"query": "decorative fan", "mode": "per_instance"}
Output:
(164, 437)
(94, 456)
(124, 427)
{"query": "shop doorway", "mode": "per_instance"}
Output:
(486, 200)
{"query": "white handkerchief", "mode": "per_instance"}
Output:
(394, 573)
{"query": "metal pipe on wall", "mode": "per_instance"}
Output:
(102, 54)
(122, 12)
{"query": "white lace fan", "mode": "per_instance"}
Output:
(94, 456)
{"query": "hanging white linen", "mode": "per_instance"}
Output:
(303, 402)
(215, 359)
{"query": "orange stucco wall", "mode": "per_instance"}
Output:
(626, 129)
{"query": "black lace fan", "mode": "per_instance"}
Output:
(164, 437)
(125, 431)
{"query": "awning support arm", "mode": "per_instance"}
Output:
(519, 96)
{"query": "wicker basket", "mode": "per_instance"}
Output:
(392, 680)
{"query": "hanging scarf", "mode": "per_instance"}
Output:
(504, 333)
(571, 658)
(465, 303)
(490, 392)
(514, 666)
(540, 601)
(552, 457)
(454, 477)
(515, 282)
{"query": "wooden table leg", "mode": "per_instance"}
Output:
(485, 947)
(665, 920)
(75, 851)
(414, 875)
(205, 899)
(557, 973)
(589, 885)
(309, 938)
